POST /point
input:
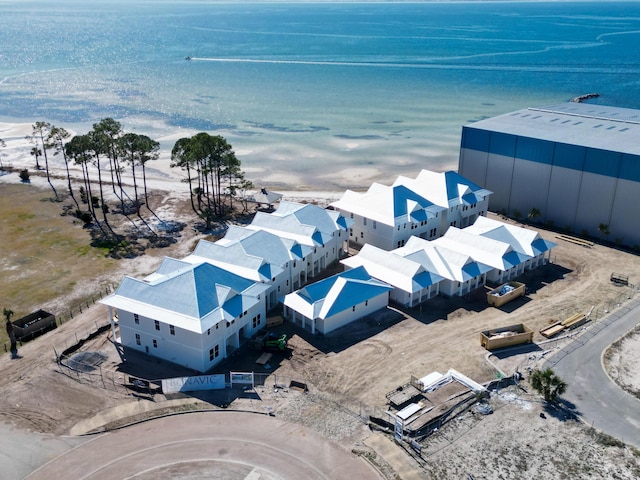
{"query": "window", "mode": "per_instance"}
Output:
(155, 343)
(364, 221)
(214, 353)
(136, 319)
(366, 302)
(361, 234)
(294, 264)
(138, 339)
(217, 326)
(351, 214)
(157, 323)
(353, 309)
(351, 232)
(375, 224)
(208, 331)
(172, 330)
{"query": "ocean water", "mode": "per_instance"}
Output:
(326, 95)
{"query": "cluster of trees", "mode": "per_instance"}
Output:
(212, 172)
(104, 152)
(107, 151)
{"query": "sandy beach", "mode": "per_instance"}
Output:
(161, 176)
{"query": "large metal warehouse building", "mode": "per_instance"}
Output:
(577, 163)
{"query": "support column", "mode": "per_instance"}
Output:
(113, 324)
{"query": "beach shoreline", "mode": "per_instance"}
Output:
(160, 176)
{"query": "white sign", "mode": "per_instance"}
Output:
(398, 430)
(190, 384)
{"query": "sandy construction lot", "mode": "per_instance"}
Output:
(356, 367)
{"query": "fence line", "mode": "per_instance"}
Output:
(61, 318)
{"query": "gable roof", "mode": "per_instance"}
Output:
(400, 272)
(487, 250)
(194, 297)
(446, 189)
(307, 224)
(335, 294)
(388, 204)
(233, 257)
(261, 243)
(522, 240)
(450, 264)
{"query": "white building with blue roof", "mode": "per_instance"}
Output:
(413, 282)
(522, 240)
(506, 263)
(461, 272)
(386, 216)
(323, 231)
(260, 256)
(192, 315)
(336, 301)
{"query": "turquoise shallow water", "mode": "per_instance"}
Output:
(306, 90)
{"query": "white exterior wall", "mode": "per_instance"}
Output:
(341, 319)
(298, 272)
(399, 296)
(364, 230)
(187, 348)
(449, 288)
(183, 348)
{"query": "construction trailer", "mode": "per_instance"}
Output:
(506, 336)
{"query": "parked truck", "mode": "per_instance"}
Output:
(505, 293)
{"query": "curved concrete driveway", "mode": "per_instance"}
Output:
(229, 445)
(598, 400)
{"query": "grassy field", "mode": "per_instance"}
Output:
(45, 256)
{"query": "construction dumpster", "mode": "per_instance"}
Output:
(505, 293)
(34, 324)
(506, 336)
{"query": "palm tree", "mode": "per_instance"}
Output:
(534, 213)
(547, 383)
(603, 228)
(9, 326)
(36, 152)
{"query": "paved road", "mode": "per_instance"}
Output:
(229, 445)
(598, 400)
(21, 452)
